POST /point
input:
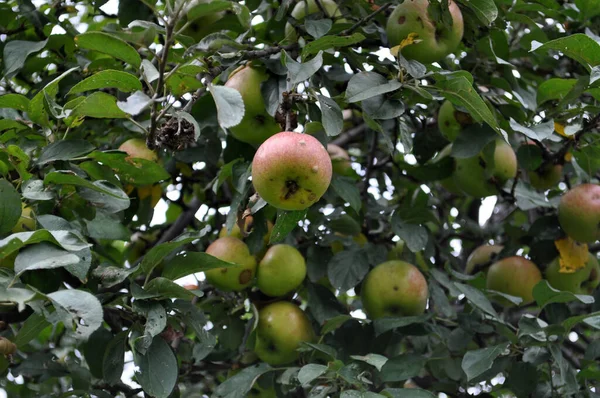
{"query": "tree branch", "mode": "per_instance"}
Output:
(365, 19)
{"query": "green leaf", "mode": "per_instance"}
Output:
(332, 118)
(554, 89)
(16, 295)
(64, 150)
(477, 298)
(37, 106)
(588, 9)
(299, 72)
(65, 239)
(158, 369)
(579, 47)
(407, 393)
(310, 372)
(43, 256)
(485, 10)
(159, 252)
(317, 27)
(16, 52)
(471, 141)
(402, 367)
(135, 171)
(106, 226)
(94, 350)
(240, 384)
(327, 42)
(10, 206)
(592, 319)
(230, 106)
(537, 132)
(375, 360)
(164, 288)
(156, 322)
(383, 325)
(285, 223)
(80, 312)
(528, 198)
(113, 361)
(522, 379)
(545, 294)
(111, 45)
(31, 329)
(203, 9)
(14, 101)
(135, 104)
(346, 189)
(190, 263)
(530, 157)
(98, 105)
(347, 268)
(123, 81)
(414, 235)
(334, 323)
(476, 362)
(365, 85)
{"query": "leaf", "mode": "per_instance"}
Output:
(332, 118)
(346, 189)
(407, 393)
(471, 141)
(379, 107)
(103, 226)
(588, 9)
(528, 198)
(299, 72)
(98, 105)
(37, 106)
(136, 171)
(402, 367)
(16, 295)
(31, 329)
(415, 236)
(522, 379)
(16, 52)
(554, 89)
(203, 9)
(156, 322)
(327, 42)
(159, 252)
(347, 268)
(537, 132)
(149, 71)
(317, 28)
(64, 150)
(310, 372)
(164, 288)
(529, 157)
(285, 223)
(334, 323)
(158, 369)
(579, 47)
(111, 45)
(65, 239)
(477, 298)
(43, 256)
(240, 384)
(123, 81)
(14, 101)
(375, 360)
(113, 361)
(545, 294)
(230, 106)
(485, 10)
(365, 85)
(476, 362)
(189, 263)
(80, 311)
(135, 104)
(383, 325)
(10, 206)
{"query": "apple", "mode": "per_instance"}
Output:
(337, 246)
(396, 252)
(546, 176)
(136, 148)
(203, 26)
(436, 42)
(248, 225)
(304, 8)
(281, 270)
(579, 212)
(340, 160)
(26, 222)
(447, 183)
(232, 250)
(583, 281)
(482, 255)
(451, 121)
(256, 125)
(515, 276)
(479, 176)
(282, 327)
(395, 289)
(291, 171)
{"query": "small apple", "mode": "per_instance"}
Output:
(256, 125)
(337, 246)
(480, 176)
(579, 212)
(203, 26)
(136, 148)
(515, 276)
(394, 288)
(304, 8)
(282, 327)
(447, 183)
(482, 255)
(436, 40)
(291, 171)
(451, 121)
(248, 225)
(235, 251)
(546, 176)
(26, 222)
(281, 270)
(583, 281)
(340, 160)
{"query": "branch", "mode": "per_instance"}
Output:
(182, 222)
(350, 135)
(369, 170)
(254, 54)
(365, 19)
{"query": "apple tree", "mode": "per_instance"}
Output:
(282, 198)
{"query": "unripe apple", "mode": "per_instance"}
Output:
(482, 255)
(235, 251)
(203, 26)
(337, 246)
(515, 276)
(436, 41)
(256, 125)
(546, 177)
(281, 270)
(579, 212)
(299, 12)
(479, 176)
(26, 222)
(136, 148)
(583, 281)
(340, 160)
(394, 288)
(282, 327)
(447, 183)
(291, 171)
(451, 121)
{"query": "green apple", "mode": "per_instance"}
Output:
(304, 8)
(515, 276)
(579, 212)
(436, 40)
(235, 251)
(447, 183)
(281, 270)
(482, 255)
(256, 125)
(546, 176)
(26, 222)
(136, 148)
(340, 160)
(451, 121)
(248, 225)
(291, 171)
(394, 288)
(282, 327)
(479, 176)
(203, 26)
(396, 252)
(583, 281)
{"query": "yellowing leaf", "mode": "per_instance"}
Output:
(573, 255)
(568, 156)
(560, 129)
(412, 38)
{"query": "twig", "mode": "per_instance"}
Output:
(254, 54)
(365, 19)
(350, 135)
(370, 163)
(182, 221)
